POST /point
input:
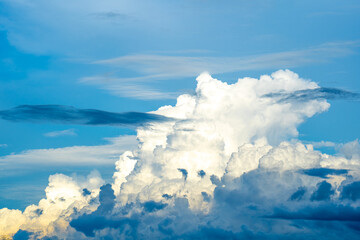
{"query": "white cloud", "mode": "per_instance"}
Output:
(3, 145)
(350, 150)
(11, 220)
(64, 196)
(223, 167)
(66, 132)
(213, 124)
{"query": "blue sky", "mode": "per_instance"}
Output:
(122, 56)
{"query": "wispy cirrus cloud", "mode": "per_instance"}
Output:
(128, 87)
(153, 67)
(66, 132)
(75, 155)
(164, 67)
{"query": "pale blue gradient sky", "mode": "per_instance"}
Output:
(139, 55)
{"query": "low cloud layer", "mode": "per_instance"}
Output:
(69, 115)
(228, 166)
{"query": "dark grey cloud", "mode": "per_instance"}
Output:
(323, 192)
(212, 233)
(89, 223)
(22, 235)
(86, 192)
(102, 217)
(323, 172)
(310, 94)
(351, 191)
(107, 200)
(165, 226)
(111, 15)
(215, 180)
(70, 115)
(184, 172)
(298, 195)
(253, 206)
(152, 206)
(167, 196)
(325, 212)
(201, 173)
(206, 196)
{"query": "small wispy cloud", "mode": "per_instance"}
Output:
(126, 87)
(153, 67)
(3, 145)
(323, 144)
(110, 15)
(66, 132)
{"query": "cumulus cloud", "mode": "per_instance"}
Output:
(350, 150)
(64, 196)
(224, 167)
(323, 144)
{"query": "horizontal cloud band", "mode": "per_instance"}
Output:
(311, 94)
(71, 115)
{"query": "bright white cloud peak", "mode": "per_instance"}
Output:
(224, 169)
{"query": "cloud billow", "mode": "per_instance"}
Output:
(224, 168)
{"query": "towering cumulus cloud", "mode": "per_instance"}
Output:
(222, 168)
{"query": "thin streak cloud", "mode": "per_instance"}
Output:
(105, 154)
(66, 132)
(311, 94)
(69, 115)
(157, 67)
(149, 68)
